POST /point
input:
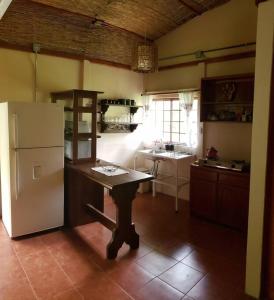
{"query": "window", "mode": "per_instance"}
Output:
(172, 123)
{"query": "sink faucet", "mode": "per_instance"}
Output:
(157, 144)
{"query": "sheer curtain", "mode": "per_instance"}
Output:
(186, 102)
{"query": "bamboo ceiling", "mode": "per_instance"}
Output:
(99, 29)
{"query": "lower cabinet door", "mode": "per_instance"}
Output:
(203, 196)
(233, 206)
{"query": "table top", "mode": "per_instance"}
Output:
(109, 182)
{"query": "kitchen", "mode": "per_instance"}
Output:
(57, 73)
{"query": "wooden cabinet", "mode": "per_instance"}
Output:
(80, 108)
(220, 196)
(227, 98)
(203, 193)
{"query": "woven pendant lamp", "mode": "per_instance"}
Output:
(144, 58)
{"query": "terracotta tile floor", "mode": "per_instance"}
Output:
(180, 257)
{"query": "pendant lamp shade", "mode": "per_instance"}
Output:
(144, 58)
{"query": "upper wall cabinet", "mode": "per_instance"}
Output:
(227, 98)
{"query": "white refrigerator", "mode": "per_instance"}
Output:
(32, 166)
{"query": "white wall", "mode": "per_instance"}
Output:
(116, 83)
(264, 56)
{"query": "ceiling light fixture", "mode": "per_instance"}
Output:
(144, 59)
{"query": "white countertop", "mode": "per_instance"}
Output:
(163, 154)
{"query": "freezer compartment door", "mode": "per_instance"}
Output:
(35, 125)
(38, 203)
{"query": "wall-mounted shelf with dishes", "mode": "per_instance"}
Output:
(227, 98)
(117, 116)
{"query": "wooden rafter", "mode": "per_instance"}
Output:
(193, 6)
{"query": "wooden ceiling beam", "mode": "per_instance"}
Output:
(193, 6)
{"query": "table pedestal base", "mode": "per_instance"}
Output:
(125, 229)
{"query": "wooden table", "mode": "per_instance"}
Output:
(84, 193)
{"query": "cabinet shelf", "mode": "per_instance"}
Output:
(227, 98)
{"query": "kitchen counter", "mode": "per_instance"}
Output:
(233, 165)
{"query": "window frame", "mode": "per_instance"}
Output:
(170, 132)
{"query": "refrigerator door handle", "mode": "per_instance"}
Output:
(15, 136)
(15, 128)
(16, 175)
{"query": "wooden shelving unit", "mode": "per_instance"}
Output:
(227, 98)
(80, 108)
(117, 127)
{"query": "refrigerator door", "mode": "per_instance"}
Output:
(37, 201)
(36, 125)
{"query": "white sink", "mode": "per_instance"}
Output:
(165, 154)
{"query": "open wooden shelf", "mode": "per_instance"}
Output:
(227, 98)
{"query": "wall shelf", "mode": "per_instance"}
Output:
(118, 127)
(227, 98)
(132, 108)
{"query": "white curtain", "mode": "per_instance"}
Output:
(186, 102)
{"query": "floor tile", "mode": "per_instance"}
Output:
(78, 269)
(6, 248)
(101, 288)
(46, 277)
(17, 289)
(56, 237)
(130, 276)
(182, 277)
(70, 294)
(10, 270)
(156, 263)
(212, 288)
(217, 264)
(199, 260)
(158, 290)
(186, 297)
(178, 250)
(27, 245)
